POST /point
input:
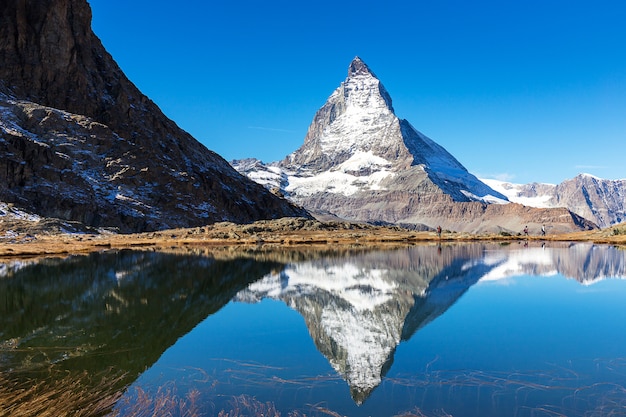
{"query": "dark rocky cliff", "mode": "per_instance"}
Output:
(79, 141)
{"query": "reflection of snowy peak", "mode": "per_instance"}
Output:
(359, 309)
(347, 310)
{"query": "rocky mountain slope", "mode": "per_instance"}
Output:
(80, 142)
(360, 162)
(599, 200)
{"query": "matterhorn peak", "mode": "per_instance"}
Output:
(363, 89)
(359, 161)
(358, 67)
(357, 118)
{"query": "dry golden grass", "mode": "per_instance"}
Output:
(58, 394)
(268, 233)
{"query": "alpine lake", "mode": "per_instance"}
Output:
(482, 329)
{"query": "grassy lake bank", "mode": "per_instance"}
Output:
(273, 233)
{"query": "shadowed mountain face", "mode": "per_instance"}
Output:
(116, 311)
(80, 142)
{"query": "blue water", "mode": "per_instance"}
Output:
(523, 345)
(459, 330)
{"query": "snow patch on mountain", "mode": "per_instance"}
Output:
(516, 193)
(9, 212)
(362, 171)
(272, 176)
(366, 114)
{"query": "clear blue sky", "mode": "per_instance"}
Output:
(523, 91)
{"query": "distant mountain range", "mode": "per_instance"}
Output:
(360, 162)
(78, 141)
(599, 200)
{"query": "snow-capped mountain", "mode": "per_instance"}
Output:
(79, 141)
(596, 199)
(359, 161)
(357, 143)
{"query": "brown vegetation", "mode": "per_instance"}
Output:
(287, 232)
(58, 393)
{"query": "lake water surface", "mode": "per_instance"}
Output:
(461, 330)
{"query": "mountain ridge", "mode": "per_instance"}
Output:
(80, 141)
(358, 119)
(600, 200)
(360, 162)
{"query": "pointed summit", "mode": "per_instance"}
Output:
(357, 117)
(358, 67)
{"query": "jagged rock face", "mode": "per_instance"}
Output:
(50, 56)
(359, 113)
(359, 161)
(357, 134)
(601, 201)
(598, 200)
(80, 142)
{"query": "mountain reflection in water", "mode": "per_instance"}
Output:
(359, 308)
(117, 310)
(122, 310)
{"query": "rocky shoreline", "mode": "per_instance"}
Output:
(49, 238)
